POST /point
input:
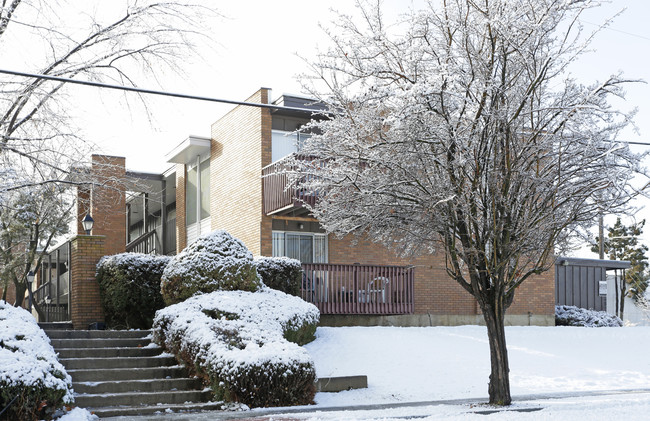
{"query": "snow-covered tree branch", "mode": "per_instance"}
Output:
(459, 129)
(124, 43)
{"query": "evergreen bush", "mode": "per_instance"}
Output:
(281, 273)
(575, 316)
(129, 287)
(215, 262)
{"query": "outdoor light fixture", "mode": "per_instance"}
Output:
(87, 223)
(30, 276)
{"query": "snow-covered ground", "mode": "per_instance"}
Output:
(433, 363)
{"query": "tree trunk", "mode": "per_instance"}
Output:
(21, 289)
(499, 387)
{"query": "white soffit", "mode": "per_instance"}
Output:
(188, 150)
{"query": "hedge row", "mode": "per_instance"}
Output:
(129, 287)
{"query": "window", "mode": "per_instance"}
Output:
(306, 247)
(191, 192)
(197, 192)
(285, 143)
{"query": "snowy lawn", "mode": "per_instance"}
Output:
(432, 363)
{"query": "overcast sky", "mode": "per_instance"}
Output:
(258, 43)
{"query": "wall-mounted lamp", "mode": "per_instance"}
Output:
(87, 223)
(301, 226)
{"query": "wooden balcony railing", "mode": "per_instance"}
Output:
(277, 195)
(358, 289)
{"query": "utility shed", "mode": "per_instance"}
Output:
(583, 282)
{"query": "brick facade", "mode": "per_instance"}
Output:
(108, 201)
(11, 292)
(240, 148)
(86, 305)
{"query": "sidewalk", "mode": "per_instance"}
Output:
(302, 412)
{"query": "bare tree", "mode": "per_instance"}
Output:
(118, 42)
(31, 221)
(459, 129)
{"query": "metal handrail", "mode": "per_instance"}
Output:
(143, 239)
(9, 404)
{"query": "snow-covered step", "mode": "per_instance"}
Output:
(109, 352)
(97, 334)
(124, 373)
(117, 374)
(128, 411)
(141, 398)
(118, 362)
(146, 385)
(100, 343)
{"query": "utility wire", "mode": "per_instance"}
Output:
(188, 96)
(152, 91)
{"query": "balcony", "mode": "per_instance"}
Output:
(279, 199)
(358, 289)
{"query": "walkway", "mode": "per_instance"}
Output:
(303, 412)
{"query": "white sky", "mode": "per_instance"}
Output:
(257, 45)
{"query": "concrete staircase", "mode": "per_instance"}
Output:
(122, 373)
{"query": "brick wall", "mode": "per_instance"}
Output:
(11, 291)
(242, 147)
(236, 161)
(108, 201)
(86, 306)
(536, 295)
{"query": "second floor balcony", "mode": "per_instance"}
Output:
(279, 198)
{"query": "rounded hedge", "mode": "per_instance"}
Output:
(214, 262)
(129, 287)
(281, 273)
(33, 383)
(239, 343)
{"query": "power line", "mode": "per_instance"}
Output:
(152, 91)
(188, 96)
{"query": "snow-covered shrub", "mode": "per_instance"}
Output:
(29, 369)
(281, 273)
(129, 287)
(575, 316)
(214, 262)
(236, 341)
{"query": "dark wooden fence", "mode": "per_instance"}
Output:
(358, 289)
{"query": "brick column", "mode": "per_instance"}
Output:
(108, 201)
(86, 306)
